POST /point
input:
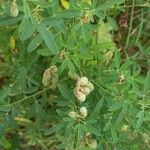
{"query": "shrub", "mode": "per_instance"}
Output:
(75, 74)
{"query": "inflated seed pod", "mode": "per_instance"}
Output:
(47, 78)
(83, 112)
(93, 144)
(90, 86)
(54, 82)
(14, 9)
(82, 81)
(85, 90)
(53, 69)
(79, 95)
(73, 114)
(50, 77)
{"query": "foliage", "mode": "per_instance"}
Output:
(98, 95)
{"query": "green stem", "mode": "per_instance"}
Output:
(28, 97)
(130, 25)
(137, 5)
(140, 29)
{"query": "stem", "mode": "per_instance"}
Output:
(137, 5)
(31, 96)
(130, 26)
(140, 29)
(105, 90)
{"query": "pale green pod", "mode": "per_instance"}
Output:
(14, 9)
(93, 144)
(54, 82)
(90, 86)
(46, 78)
(79, 95)
(73, 114)
(85, 90)
(82, 81)
(83, 112)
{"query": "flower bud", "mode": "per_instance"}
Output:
(93, 144)
(83, 112)
(73, 114)
(79, 95)
(14, 9)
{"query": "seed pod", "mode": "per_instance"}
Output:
(46, 78)
(53, 69)
(85, 90)
(50, 77)
(93, 144)
(54, 82)
(73, 114)
(79, 95)
(83, 112)
(90, 86)
(14, 9)
(82, 81)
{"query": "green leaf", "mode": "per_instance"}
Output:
(9, 20)
(140, 116)
(64, 90)
(27, 32)
(104, 33)
(4, 108)
(26, 8)
(97, 107)
(117, 59)
(115, 106)
(4, 93)
(23, 77)
(70, 13)
(107, 125)
(114, 134)
(112, 23)
(92, 129)
(24, 23)
(62, 67)
(44, 52)
(35, 42)
(122, 114)
(71, 66)
(48, 38)
(55, 129)
(147, 83)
